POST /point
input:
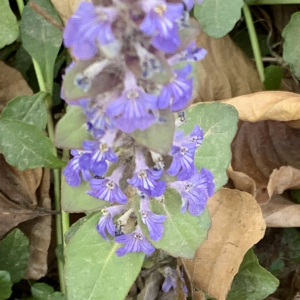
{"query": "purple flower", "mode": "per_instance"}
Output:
(106, 221)
(151, 220)
(145, 179)
(178, 92)
(196, 136)
(190, 3)
(97, 153)
(134, 242)
(131, 110)
(98, 122)
(195, 191)
(73, 170)
(170, 279)
(160, 21)
(89, 25)
(108, 189)
(183, 152)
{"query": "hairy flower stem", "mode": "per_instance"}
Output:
(56, 172)
(254, 42)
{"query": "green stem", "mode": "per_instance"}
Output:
(274, 2)
(65, 216)
(20, 4)
(254, 42)
(56, 172)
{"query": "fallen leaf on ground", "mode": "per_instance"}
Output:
(237, 224)
(259, 148)
(39, 232)
(283, 179)
(281, 212)
(12, 84)
(241, 181)
(226, 71)
(268, 105)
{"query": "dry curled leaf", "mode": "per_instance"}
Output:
(12, 84)
(283, 179)
(281, 212)
(237, 224)
(268, 105)
(259, 148)
(241, 181)
(226, 71)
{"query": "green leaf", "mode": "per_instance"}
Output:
(252, 282)
(8, 23)
(41, 39)
(93, 270)
(219, 123)
(74, 228)
(29, 109)
(71, 130)
(42, 291)
(5, 285)
(75, 199)
(25, 146)
(273, 77)
(14, 253)
(218, 17)
(291, 45)
(183, 233)
(158, 137)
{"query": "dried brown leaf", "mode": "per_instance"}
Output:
(226, 71)
(66, 8)
(241, 181)
(261, 147)
(281, 212)
(268, 105)
(12, 84)
(237, 224)
(283, 179)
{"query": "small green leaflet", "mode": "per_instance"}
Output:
(26, 146)
(273, 77)
(93, 271)
(14, 254)
(183, 233)
(218, 17)
(8, 23)
(5, 285)
(252, 282)
(219, 123)
(75, 199)
(42, 291)
(41, 39)
(29, 109)
(71, 130)
(291, 45)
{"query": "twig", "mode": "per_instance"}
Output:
(45, 15)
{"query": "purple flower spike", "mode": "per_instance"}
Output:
(108, 188)
(195, 191)
(106, 221)
(145, 179)
(134, 242)
(151, 220)
(89, 25)
(73, 170)
(178, 92)
(131, 110)
(160, 21)
(98, 153)
(170, 279)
